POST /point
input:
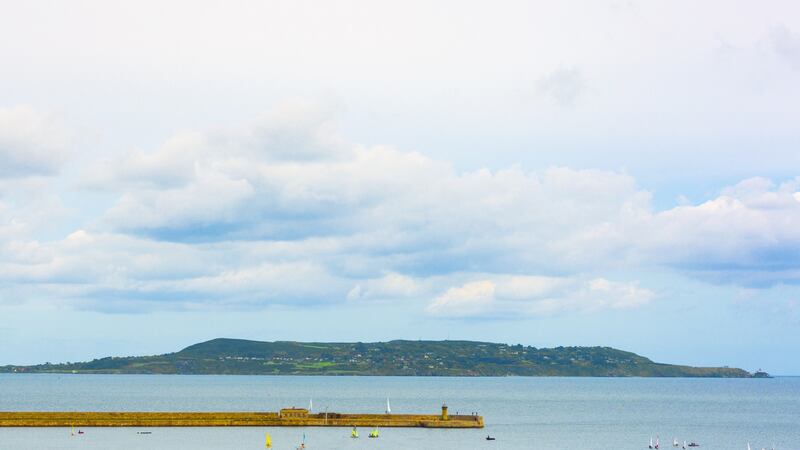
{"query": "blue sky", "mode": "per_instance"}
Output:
(616, 173)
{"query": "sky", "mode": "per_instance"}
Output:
(614, 173)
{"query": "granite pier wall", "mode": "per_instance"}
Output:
(231, 419)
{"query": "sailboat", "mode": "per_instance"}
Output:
(268, 444)
(684, 445)
(388, 407)
(748, 446)
(374, 433)
(310, 404)
(674, 442)
(657, 444)
(651, 442)
(354, 433)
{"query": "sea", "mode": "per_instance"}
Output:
(520, 412)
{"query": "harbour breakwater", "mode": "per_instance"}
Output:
(288, 417)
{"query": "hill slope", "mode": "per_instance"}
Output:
(420, 358)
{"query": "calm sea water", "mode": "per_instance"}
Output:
(522, 413)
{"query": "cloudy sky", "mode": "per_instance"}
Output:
(616, 173)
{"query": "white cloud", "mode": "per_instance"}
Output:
(748, 235)
(283, 283)
(519, 296)
(214, 218)
(28, 206)
(609, 294)
(31, 143)
(112, 272)
(388, 211)
(211, 200)
(379, 202)
(528, 287)
(294, 131)
(391, 286)
(471, 299)
(173, 165)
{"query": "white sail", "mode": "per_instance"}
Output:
(748, 446)
(310, 404)
(388, 407)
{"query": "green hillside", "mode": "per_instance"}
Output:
(412, 358)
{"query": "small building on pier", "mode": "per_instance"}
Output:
(294, 413)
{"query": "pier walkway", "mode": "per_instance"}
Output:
(289, 417)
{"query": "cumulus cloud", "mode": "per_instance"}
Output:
(522, 296)
(747, 235)
(390, 211)
(28, 206)
(171, 166)
(402, 209)
(237, 217)
(470, 299)
(391, 286)
(31, 143)
(293, 132)
(113, 272)
(211, 204)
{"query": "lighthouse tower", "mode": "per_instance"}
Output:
(444, 411)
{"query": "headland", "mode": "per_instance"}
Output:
(395, 358)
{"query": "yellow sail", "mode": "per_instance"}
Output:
(269, 441)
